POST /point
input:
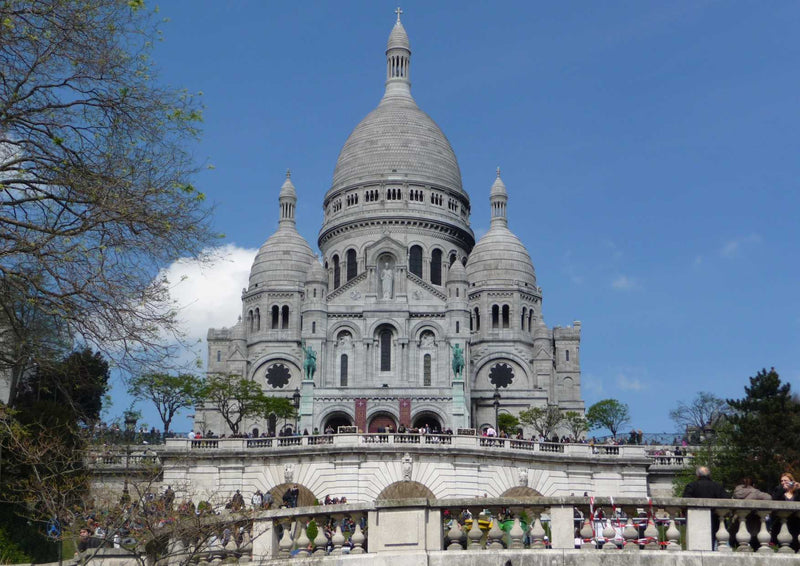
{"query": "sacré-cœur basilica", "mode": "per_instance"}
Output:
(406, 319)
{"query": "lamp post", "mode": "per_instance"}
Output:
(296, 405)
(496, 404)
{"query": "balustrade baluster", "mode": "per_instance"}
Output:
(673, 534)
(609, 533)
(302, 541)
(784, 536)
(286, 542)
(651, 534)
(454, 536)
(321, 541)
(358, 538)
(537, 530)
(587, 533)
(338, 539)
(631, 535)
(763, 533)
(475, 533)
(516, 534)
(742, 534)
(495, 536)
(723, 536)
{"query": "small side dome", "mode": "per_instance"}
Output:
(457, 273)
(284, 259)
(499, 258)
(316, 273)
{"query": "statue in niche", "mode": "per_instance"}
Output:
(406, 467)
(458, 361)
(288, 473)
(310, 362)
(427, 340)
(387, 278)
(523, 476)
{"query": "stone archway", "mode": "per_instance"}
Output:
(305, 496)
(337, 419)
(521, 491)
(380, 421)
(427, 418)
(406, 490)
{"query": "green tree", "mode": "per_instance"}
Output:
(608, 413)
(79, 381)
(508, 423)
(237, 398)
(544, 420)
(169, 393)
(576, 424)
(761, 439)
(95, 177)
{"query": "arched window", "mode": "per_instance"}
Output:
(426, 370)
(285, 317)
(566, 355)
(477, 319)
(458, 327)
(495, 316)
(337, 275)
(415, 260)
(506, 316)
(343, 371)
(250, 320)
(219, 356)
(471, 322)
(258, 319)
(275, 316)
(530, 320)
(452, 259)
(522, 318)
(386, 349)
(315, 292)
(313, 327)
(436, 267)
(352, 266)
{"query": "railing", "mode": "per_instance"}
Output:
(629, 527)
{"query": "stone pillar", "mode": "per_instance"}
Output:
(698, 529)
(361, 414)
(265, 541)
(405, 412)
(562, 527)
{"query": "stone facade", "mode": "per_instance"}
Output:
(401, 285)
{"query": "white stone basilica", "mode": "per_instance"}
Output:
(401, 286)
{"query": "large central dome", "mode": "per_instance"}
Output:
(397, 139)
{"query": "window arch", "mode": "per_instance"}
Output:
(522, 318)
(385, 340)
(258, 319)
(506, 316)
(415, 260)
(477, 319)
(313, 327)
(453, 258)
(495, 316)
(219, 356)
(343, 370)
(352, 265)
(250, 320)
(436, 267)
(285, 317)
(426, 370)
(530, 320)
(275, 316)
(458, 327)
(337, 273)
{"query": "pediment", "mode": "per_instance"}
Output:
(542, 354)
(236, 355)
(385, 245)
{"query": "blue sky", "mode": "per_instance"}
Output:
(650, 150)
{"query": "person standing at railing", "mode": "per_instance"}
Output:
(706, 488)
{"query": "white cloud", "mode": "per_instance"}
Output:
(629, 383)
(732, 248)
(210, 296)
(624, 283)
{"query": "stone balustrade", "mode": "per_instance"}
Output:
(546, 530)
